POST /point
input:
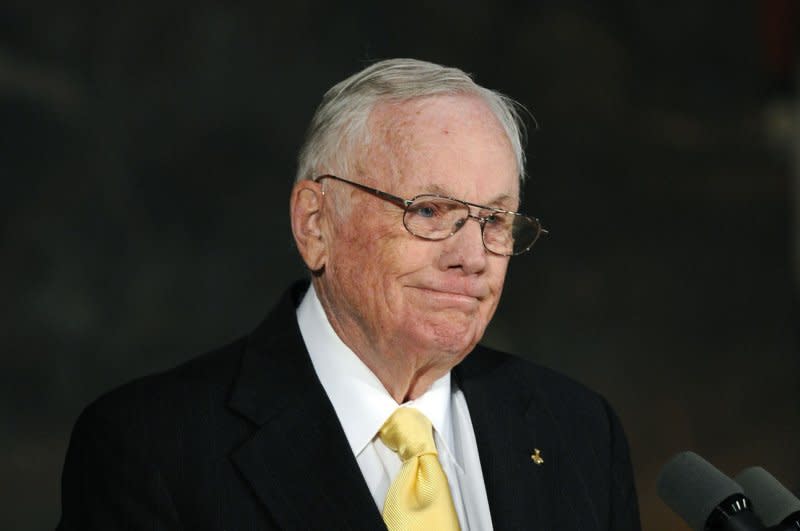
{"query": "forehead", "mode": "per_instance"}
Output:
(442, 144)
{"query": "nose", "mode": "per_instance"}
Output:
(464, 249)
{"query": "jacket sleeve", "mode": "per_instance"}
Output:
(624, 513)
(108, 483)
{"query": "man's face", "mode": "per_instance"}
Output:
(409, 300)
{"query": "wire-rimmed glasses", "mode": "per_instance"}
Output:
(437, 217)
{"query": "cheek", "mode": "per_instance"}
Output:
(497, 276)
(367, 262)
(496, 282)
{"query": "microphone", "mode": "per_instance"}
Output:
(774, 503)
(704, 497)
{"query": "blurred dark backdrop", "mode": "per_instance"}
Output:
(147, 152)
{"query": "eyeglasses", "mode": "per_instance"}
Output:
(437, 217)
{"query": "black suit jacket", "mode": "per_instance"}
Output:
(245, 438)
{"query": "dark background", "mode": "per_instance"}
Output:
(147, 152)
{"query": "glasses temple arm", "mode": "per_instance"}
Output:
(402, 203)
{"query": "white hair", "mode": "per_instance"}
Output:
(339, 125)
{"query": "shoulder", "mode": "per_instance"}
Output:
(196, 395)
(209, 374)
(158, 410)
(519, 375)
(514, 380)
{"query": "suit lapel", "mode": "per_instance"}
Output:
(298, 461)
(509, 427)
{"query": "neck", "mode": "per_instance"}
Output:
(406, 383)
(405, 377)
(405, 374)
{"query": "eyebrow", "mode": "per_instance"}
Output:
(501, 201)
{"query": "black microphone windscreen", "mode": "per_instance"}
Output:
(771, 500)
(693, 488)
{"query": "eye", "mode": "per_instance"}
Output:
(495, 218)
(427, 209)
(497, 222)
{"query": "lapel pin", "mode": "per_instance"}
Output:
(537, 456)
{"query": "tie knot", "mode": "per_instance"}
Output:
(409, 433)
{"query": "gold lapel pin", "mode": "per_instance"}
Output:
(537, 457)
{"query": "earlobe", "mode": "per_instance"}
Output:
(306, 215)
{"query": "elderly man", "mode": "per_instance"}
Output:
(364, 401)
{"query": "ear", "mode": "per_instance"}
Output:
(306, 214)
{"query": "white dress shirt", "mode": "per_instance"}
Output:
(363, 405)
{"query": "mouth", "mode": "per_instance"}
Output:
(470, 295)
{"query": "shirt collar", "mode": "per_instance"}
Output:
(358, 396)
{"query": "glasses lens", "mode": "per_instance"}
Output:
(434, 218)
(437, 218)
(510, 234)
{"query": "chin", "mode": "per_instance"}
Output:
(454, 341)
(445, 333)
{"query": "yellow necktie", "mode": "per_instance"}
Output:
(419, 497)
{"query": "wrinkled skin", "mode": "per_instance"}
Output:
(411, 309)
